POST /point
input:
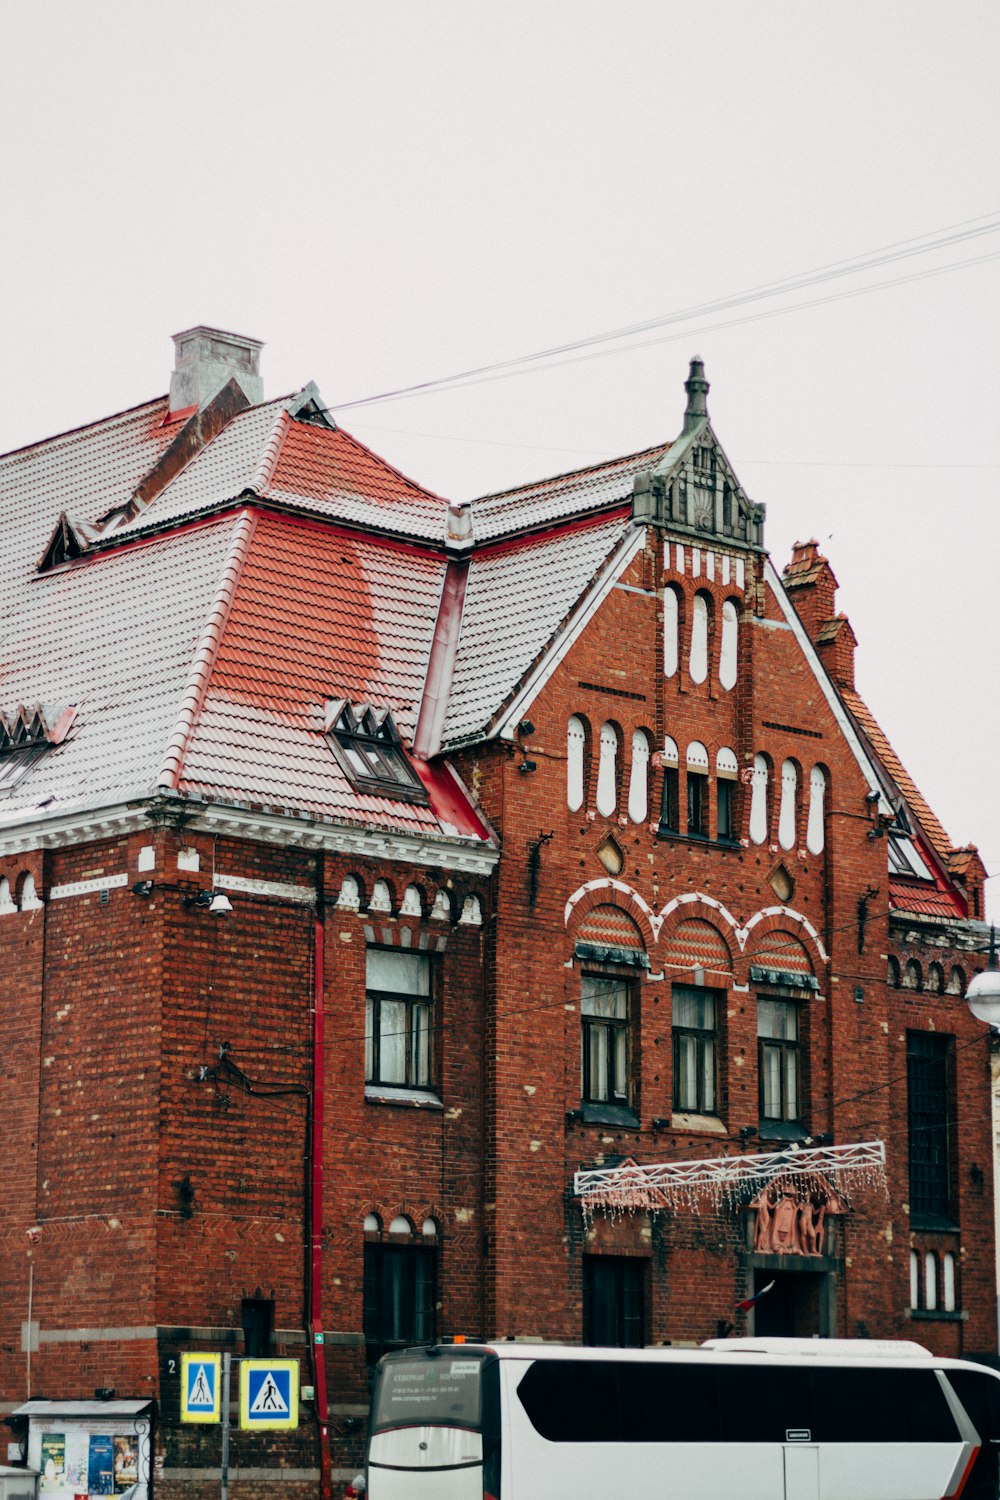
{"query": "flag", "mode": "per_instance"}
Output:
(746, 1306)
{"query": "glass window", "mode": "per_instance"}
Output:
(398, 1019)
(604, 1010)
(694, 1020)
(929, 1086)
(366, 743)
(778, 1059)
(399, 1296)
(257, 1318)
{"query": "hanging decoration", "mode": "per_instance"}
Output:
(726, 1181)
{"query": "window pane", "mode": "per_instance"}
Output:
(392, 1041)
(620, 1043)
(778, 1019)
(598, 1040)
(405, 973)
(687, 1072)
(694, 1008)
(420, 1050)
(791, 1085)
(369, 1039)
(708, 1076)
(604, 997)
(770, 1081)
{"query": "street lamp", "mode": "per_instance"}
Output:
(983, 994)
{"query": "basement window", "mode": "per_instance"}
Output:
(368, 748)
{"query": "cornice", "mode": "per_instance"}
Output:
(38, 829)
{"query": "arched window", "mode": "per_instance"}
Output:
(381, 899)
(638, 785)
(914, 1279)
(729, 650)
(607, 771)
(930, 1281)
(6, 904)
(372, 1224)
(699, 638)
(893, 975)
(576, 745)
(697, 790)
(815, 827)
(400, 1225)
(786, 815)
(669, 808)
(350, 893)
(29, 896)
(948, 1281)
(913, 978)
(935, 979)
(758, 800)
(671, 630)
(429, 1229)
(726, 782)
(956, 981)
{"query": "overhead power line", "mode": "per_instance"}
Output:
(925, 244)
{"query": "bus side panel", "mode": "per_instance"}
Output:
(430, 1484)
(536, 1469)
(888, 1471)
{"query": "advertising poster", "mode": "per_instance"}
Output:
(101, 1465)
(53, 1460)
(75, 1476)
(126, 1462)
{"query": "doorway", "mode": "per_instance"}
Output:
(793, 1308)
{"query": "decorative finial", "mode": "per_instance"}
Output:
(697, 388)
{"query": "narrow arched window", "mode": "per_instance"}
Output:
(913, 978)
(669, 805)
(893, 974)
(726, 782)
(729, 650)
(671, 631)
(699, 638)
(914, 1279)
(956, 981)
(816, 825)
(935, 979)
(607, 771)
(576, 744)
(786, 815)
(697, 790)
(638, 784)
(930, 1281)
(758, 800)
(948, 1281)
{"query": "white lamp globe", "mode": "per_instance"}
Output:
(983, 996)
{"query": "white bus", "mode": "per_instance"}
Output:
(739, 1419)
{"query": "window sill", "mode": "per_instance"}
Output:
(927, 1315)
(703, 1124)
(674, 835)
(381, 1093)
(606, 1114)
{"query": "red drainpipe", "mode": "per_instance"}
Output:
(317, 1348)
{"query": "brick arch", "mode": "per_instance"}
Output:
(694, 942)
(765, 926)
(696, 906)
(612, 893)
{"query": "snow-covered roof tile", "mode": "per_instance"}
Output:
(550, 500)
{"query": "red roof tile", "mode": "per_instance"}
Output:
(912, 795)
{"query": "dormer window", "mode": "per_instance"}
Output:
(25, 735)
(368, 748)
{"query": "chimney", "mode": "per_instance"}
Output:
(206, 359)
(812, 586)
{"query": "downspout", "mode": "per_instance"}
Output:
(314, 1283)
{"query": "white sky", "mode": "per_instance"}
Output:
(389, 192)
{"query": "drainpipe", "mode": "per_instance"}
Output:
(314, 1319)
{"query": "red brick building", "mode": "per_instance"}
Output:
(372, 866)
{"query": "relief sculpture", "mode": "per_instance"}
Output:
(792, 1216)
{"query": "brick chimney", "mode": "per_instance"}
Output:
(812, 587)
(205, 359)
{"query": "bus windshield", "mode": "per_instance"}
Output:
(443, 1390)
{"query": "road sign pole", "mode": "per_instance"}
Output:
(226, 1360)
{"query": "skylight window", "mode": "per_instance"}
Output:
(367, 746)
(905, 859)
(26, 734)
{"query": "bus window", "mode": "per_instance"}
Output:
(763, 1403)
(668, 1403)
(443, 1391)
(880, 1406)
(572, 1401)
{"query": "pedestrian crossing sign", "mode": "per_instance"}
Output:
(200, 1387)
(269, 1393)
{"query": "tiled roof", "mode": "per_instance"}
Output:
(84, 472)
(324, 470)
(113, 635)
(517, 597)
(551, 500)
(318, 613)
(914, 798)
(923, 900)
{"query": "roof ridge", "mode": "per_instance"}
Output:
(413, 483)
(72, 432)
(604, 463)
(260, 479)
(205, 655)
